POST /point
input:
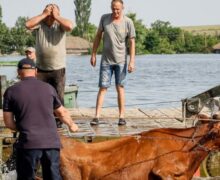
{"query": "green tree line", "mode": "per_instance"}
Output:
(160, 38)
(15, 39)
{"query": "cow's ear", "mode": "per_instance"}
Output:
(216, 116)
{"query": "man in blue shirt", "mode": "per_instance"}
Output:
(28, 108)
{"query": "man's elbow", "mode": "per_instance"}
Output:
(7, 125)
(28, 25)
(10, 126)
(132, 39)
(69, 27)
(60, 112)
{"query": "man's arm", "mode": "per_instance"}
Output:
(63, 114)
(32, 22)
(95, 47)
(9, 120)
(66, 24)
(131, 64)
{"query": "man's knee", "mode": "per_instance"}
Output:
(102, 90)
(120, 88)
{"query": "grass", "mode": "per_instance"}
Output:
(8, 63)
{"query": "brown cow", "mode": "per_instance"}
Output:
(169, 154)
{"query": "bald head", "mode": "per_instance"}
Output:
(52, 5)
(117, 8)
(120, 1)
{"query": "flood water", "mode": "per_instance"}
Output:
(159, 80)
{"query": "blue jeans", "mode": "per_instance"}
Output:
(27, 159)
(106, 72)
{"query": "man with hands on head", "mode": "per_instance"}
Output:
(50, 14)
(51, 30)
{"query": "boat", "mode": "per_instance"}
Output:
(70, 92)
(70, 96)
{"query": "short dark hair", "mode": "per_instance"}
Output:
(113, 1)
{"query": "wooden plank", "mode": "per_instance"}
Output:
(154, 113)
(178, 111)
(169, 113)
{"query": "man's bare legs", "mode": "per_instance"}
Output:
(99, 101)
(121, 100)
(121, 104)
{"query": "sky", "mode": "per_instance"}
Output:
(177, 12)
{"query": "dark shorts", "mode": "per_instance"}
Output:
(27, 159)
(106, 72)
(56, 78)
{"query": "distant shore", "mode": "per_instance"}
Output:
(8, 63)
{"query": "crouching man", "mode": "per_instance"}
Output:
(29, 108)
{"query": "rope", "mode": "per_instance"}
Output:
(141, 104)
(137, 163)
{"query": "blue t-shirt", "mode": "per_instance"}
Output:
(33, 102)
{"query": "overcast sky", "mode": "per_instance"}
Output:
(177, 12)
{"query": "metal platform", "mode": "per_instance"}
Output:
(138, 120)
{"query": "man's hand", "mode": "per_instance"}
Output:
(73, 127)
(55, 11)
(131, 67)
(48, 10)
(93, 60)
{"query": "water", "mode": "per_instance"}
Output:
(159, 80)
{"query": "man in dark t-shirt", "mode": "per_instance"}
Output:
(28, 107)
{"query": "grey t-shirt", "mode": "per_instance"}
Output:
(115, 39)
(50, 47)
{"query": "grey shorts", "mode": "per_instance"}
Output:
(106, 72)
